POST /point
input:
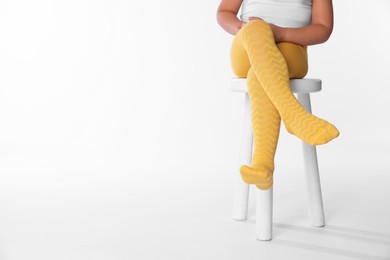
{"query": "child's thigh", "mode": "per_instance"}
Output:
(296, 58)
(239, 59)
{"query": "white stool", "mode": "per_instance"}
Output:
(303, 88)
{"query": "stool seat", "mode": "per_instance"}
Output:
(305, 85)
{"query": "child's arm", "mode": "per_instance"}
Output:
(318, 32)
(227, 16)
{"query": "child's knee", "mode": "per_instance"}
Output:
(239, 59)
(241, 71)
(257, 25)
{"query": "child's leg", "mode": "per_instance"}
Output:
(271, 70)
(265, 122)
(265, 117)
(296, 59)
(266, 127)
(239, 59)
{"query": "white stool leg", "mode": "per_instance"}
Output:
(240, 205)
(264, 214)
(315, 205)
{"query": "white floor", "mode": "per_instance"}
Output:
(89, 205)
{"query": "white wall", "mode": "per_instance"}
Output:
(103, 101)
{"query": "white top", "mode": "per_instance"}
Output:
(284, 13)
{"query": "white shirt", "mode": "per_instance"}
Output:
(284, 13)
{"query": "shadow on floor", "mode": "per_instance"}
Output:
(337, 231)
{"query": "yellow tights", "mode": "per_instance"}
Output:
(268, 68)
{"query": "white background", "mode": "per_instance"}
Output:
(119, 138)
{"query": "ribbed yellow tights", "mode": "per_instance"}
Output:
(268, 67)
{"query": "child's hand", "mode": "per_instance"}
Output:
(278, 32)
(240, 26)
(254, 18)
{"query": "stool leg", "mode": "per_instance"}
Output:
(240, 205)
(264, 214)
(315, 205)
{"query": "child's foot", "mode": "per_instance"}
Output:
(260, 176)
(313, 130)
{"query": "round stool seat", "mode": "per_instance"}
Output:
(304, 85)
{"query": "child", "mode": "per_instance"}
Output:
(269, 48)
